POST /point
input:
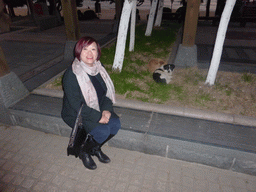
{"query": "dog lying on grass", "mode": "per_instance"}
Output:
(163, 74)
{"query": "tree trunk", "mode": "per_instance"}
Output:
(159, 13)
(121, 38)
(132, 27)
(218, 47)
(71, 19)
(151, 18)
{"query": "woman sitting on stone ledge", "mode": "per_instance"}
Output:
(86, 81)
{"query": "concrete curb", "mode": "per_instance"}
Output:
(161, 108)
(145, 140)
(224, 158)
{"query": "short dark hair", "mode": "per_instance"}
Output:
(84, 42)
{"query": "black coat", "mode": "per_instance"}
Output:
(73, 98)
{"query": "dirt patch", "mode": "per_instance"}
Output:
(232, 93)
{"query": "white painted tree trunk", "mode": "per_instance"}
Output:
(151, 18)
(122, 34)
(159, 13)
(132, 27)
(218, 47)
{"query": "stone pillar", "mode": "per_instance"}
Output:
(12, 90)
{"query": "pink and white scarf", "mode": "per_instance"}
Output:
(81, 70)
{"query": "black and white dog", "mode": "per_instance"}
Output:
(163, 74)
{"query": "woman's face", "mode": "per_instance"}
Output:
(89, 54)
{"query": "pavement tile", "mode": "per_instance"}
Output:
(173, 187)
(9, 189)
(187, 181)
(214, 187)
(17, 157)
(175, 177)
(17, 168)
(57, 169)
(47, 177)
(150, 173)
(163, 175)
(51, 188)
(136, 179)
(251, 184)
(98, 180)
(27, 171)
(92, 188)
(43, 165)
(212, 177)
(80, 186)
(124, 176)
(75, 174)
(148, 184)
(69, 184)
(160, 186)
(8, 177)
(200, 185)
(133, 188)
(109, 184)
(128, 171)
(8, 165)
(18, 180)
(2, 173)
(58, 180)
(39, 186)
(121, 186)
(36, 173)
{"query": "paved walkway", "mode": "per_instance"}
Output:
(35, 161)
(239, 50)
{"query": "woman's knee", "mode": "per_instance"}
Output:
(100, 133)
(115, 125)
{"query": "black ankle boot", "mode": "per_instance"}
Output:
(101, 156)
(87, 160)
(85, 153)
(98, 153)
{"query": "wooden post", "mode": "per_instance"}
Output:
(71, 19)
(190, 25)
(4, 68)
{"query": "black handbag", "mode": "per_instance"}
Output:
(77, 136)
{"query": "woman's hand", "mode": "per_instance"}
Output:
(104, 120)
(105, 117)
(107, 114)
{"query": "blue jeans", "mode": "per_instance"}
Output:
(101, 133)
